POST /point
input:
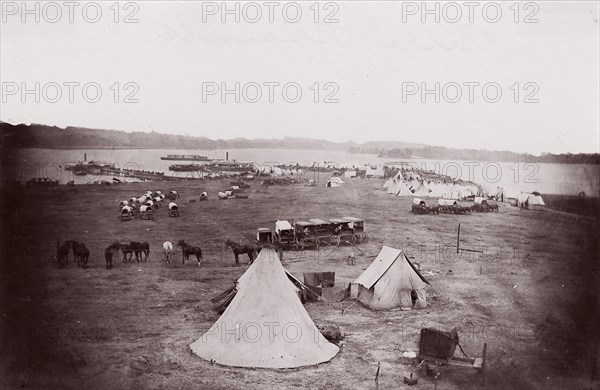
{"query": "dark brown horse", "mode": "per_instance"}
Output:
(62, 254)
(187, 250)
(127, 250)
(64, 248)
(238, 249)
(140, 248)
(82, 254)
(109, 252)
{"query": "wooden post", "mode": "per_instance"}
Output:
(457, 239)
(483, 363)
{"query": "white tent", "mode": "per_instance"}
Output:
(522, 198)
(413, 185)
(375, 171)
(530, 201)
(403, 191)
(334, 182)
(421, 191)
(265, 325)
(393, 188)
(436, 190)
(349, 174)
(446, 190)
(535, 202)
(456, 192)
(388, 183)
(389, 281)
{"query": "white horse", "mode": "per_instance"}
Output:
(168, 247)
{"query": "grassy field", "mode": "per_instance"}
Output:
(532, 294)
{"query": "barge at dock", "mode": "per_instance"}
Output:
(184, 157)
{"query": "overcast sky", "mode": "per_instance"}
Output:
(368, 56)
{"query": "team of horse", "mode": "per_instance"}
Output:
(81, 253)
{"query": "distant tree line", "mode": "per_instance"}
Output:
(52, 137)
(443, 153)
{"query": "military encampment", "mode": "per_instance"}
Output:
(324, 195)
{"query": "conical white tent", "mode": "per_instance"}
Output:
(265, 325)
(393, 188)
(436, 190)
(403, 191)
(421, 191)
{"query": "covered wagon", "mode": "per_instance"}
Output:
(173, 210)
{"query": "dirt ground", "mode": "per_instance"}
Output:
(532, 295)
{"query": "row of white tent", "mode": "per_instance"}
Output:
(430, 189)
(371, 170)
(517, 198)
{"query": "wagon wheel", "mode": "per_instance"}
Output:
(365, 237)
(337, 240)
(354, 239)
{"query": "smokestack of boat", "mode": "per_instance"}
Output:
(226, 156)
(85, 157)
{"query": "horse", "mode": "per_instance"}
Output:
(241, 249)
(82, 255)
(168, 248)
(69, 245)
(109, 252)
(187, 250)
(62, 254)
(140, 248)
(126, 249)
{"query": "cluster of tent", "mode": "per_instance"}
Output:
(265, 325)
(414, 186)
(514, 197)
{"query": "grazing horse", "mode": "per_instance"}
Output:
(126, 249)
(168, 248)
(82, 255)
(140, 248)
(109, 252)
(187, 250)
(241, 249)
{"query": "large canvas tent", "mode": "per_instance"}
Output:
(389, 281)
(265, 325)
(531, 201)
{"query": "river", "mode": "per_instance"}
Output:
(566, 179)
